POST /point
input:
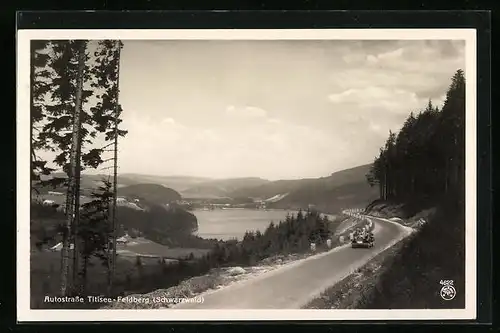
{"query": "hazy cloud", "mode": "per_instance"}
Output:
(246, 112)
(273, 109)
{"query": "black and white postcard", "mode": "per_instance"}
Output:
(246, 174)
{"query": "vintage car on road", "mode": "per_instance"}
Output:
(362, 238)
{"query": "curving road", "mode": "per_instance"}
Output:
(294, 285)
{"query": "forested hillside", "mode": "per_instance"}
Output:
(346, 188)
(157, 223)
(154, 193)
(424, 166)
(168, 227)
(329, 199)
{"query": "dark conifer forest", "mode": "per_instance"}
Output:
(426, 159)
(420, 167)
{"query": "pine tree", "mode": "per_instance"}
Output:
(40, 77)
(71, 210)
(56, 68)
(453, 118)
(67, 61)
(107, 115)
(94, 230)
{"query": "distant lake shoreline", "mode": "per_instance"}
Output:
(228, 224)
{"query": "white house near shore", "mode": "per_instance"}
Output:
(59, 246)
(124, 239)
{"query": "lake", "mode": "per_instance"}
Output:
(233, 223)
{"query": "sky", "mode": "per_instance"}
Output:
(272, 109)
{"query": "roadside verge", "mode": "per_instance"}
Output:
(329, 295)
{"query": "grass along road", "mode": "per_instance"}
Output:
(294, 285)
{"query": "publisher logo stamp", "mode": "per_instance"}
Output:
(448, 291)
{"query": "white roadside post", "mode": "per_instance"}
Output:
(313, 247)
(329, 243)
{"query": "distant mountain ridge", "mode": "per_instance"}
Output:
(339, 178)
(187, 186)
(221, 188)
(194, 187)
(341, 189)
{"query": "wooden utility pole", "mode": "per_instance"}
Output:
(70, 204)
(115, 162)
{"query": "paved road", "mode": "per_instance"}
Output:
(293, 286)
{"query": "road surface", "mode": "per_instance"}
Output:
(294, 285)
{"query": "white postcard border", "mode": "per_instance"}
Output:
(25, 314)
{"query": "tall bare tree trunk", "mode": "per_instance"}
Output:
(456, 164)
(385, 184)
(84, 274)
(412, 184)
(115, 164)
(70, 209)
(68, 231)
(76, 220)
(109, 251)
(446, 177)
(32, 103)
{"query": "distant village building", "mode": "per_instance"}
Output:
(123, 240)
(59, 246)
(48, 202)
(55, 193)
